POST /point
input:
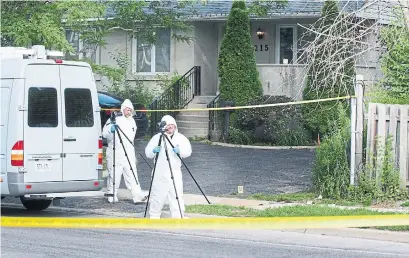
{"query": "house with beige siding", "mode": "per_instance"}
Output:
(278, 41)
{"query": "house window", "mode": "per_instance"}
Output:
(286, 39)
(81, 49)
(154, 58)
(74, 39)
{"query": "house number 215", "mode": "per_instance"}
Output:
(260, 48)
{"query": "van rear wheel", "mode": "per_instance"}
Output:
(35, 205)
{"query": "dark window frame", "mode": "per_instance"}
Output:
(68, 109)
(31, 112)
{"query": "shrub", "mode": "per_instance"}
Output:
(384, 186)
(239, 77)
(330, 174)
(238, 136)
(378, 94)
(278, 125)
(394, 62)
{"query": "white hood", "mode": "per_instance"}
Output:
(127, 104)
(170, 121)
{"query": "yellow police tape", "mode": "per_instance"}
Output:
(239, 107)
(210, 223)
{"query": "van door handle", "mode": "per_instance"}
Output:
(70, 139)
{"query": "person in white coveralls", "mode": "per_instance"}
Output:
(162, 185)
(128, 126)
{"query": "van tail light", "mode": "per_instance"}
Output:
(17, 154)
(100, 152)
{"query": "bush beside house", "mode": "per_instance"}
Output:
(279, 125)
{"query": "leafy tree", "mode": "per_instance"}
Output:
(42, 22)
(331, 71)
(395, 61)
(239, 77)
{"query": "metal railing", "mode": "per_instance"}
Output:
(177, 96)
(215, 117)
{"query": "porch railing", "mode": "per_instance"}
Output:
(215, 118)
(177, 96)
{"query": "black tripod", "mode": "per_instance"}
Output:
(126, 137)
(117, 128)
(163, 137)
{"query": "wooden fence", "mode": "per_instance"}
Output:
(384, 120)
(381, 121)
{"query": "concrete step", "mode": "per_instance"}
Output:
(203, 99)
(194, 113)
(196, 105)
(192, 124)
(193, 132)
(204, 117)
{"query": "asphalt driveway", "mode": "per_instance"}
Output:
(220, 170)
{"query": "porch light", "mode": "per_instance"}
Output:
(260, 33)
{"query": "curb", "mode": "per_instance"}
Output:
(264, 147)
(372, 234)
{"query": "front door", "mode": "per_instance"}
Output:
(42, 124)
(79, 123)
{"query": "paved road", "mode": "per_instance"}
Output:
(150, 243)
(42, 242)
(219, 170)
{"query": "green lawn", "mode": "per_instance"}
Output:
(289, 211)
(304, 197)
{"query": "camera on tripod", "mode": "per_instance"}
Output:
(162, 126)
(115, 114)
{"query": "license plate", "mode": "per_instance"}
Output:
(43, 166)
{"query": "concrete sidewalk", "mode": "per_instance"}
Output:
(191, 199)
(200, 199)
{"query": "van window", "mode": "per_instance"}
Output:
(42, 107)
(78, 108)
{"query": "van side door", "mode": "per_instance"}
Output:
(42, 124)
(5, 90)
(79, 122)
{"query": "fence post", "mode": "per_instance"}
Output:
(357, 128)
(359, 91)
(353, 142)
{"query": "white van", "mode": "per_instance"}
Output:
(51, 144)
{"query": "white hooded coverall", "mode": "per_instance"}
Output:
(128, 127)
(162, 185)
